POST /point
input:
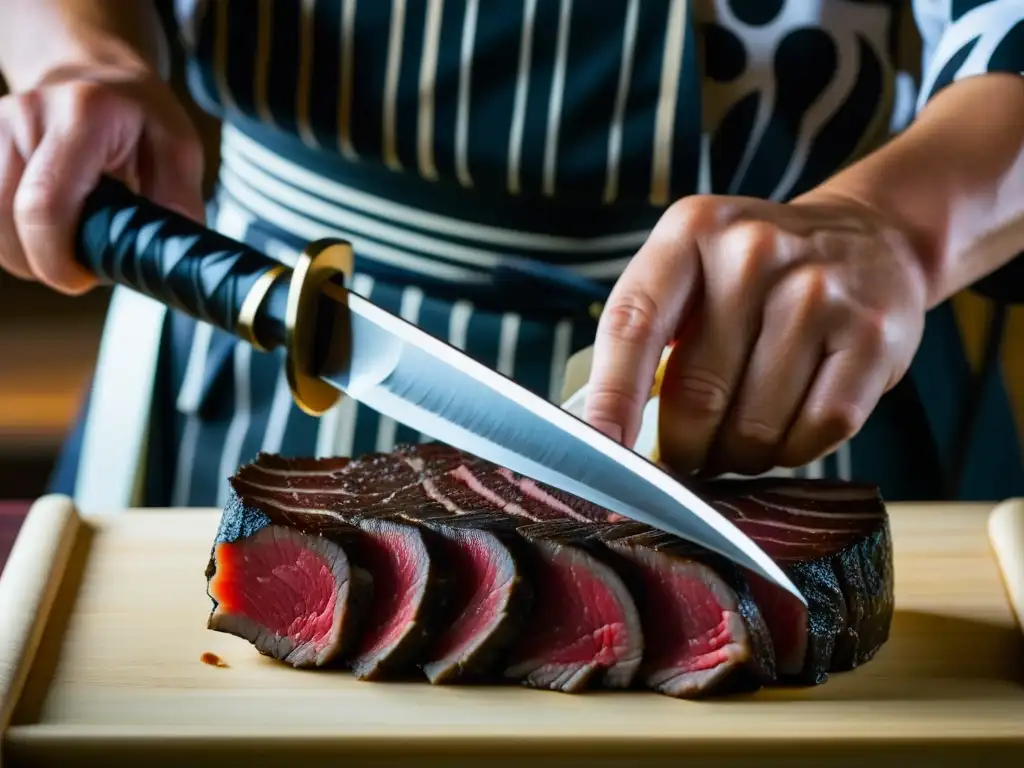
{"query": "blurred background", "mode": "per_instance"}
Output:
(48, 346)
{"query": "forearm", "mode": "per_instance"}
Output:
(954, 180)
(38, 37)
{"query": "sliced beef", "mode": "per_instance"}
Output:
(457, 610)
(702, 628)
(831, 537)
(585, 624)
(295, 596)
(401, 558)
(833, 540)
(409, 596)
(491, 598)
(486, 572)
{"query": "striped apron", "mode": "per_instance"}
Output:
(495, 166)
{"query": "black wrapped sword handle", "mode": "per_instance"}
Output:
(128, 240)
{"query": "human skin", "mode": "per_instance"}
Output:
(791, 320)
(798, 316)
(87, 98)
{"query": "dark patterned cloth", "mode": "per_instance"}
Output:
(496, 165)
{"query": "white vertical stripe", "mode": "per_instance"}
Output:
(844, 462)
(195, 369)
(507, 341)
(428, 75)
(264, 20)
(220, 56)
(458, 324)
(348, 26)
(112, 461)
(611, 184)
(344, 432)
(328, 429)
(555, 97)
(465, 75)
(277, 420)
(241, 417)
(816, 469)
(188, 397)
(515, 139)
(335, 433)
(562, 348)
(186, 460)
(412, 300)
(305, 73)
(671, 63)
(395, 41)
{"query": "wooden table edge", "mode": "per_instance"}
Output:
(29, 583)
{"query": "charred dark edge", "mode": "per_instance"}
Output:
(826, 618)
(401, 659)
(866, 578)
(482, 665)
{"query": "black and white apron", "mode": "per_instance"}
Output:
(495, 166)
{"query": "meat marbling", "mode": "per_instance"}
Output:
(487, 573)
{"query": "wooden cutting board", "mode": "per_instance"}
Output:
(104, 626)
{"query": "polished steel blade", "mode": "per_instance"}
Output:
(390, 365)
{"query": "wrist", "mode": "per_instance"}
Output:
(951, 182)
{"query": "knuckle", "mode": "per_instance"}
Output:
(694, 212)
(752, 239)
(82, 100)
(873, 333)
(745, 250)
(39, 199)
(839, 421)
(703, 393)
(633, 319)
(806, 292)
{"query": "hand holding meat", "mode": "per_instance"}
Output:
(790, 321)
(59, 137)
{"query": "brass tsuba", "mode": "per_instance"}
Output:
(245, 326)
(317, 264)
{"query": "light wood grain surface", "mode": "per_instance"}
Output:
(120, 679)
(28, 589)
(1006, 532)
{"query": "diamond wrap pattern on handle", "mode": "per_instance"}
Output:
(126, 239)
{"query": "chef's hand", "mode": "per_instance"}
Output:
(58, 138)
(790, 321)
